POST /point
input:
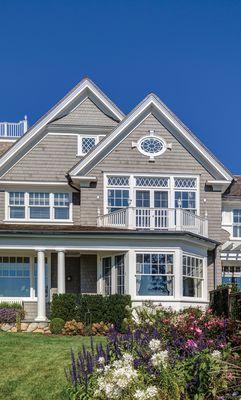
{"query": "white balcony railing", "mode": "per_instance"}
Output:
(165, 219)
(13, 129)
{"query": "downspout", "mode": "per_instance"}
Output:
(70, 183)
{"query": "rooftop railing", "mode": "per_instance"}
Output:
(13, 130)
(163, 219)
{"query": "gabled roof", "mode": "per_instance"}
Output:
(85, 88)
(152, 104)
(234, 190)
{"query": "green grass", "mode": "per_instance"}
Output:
(32, 365)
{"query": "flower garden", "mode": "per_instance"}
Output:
(161, 354)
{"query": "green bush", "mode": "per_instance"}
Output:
(16, 306)
(64, 306)
(57, 325)
(91, 308)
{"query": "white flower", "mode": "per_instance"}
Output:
(216, 354)
(151, 392)
(155, 345)
(140, 395)
(101, 360)
(128, 358)
(160, 358)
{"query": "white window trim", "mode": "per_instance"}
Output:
(27, 218)
(203, 279)
(152, 155)
(132, 188)
(80, 138)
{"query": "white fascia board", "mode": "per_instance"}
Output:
(32, 183)
(86, 84)
(149, 101)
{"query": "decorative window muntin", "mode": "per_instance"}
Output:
(151, 146)
(154, 274)
(39, 206)
(192, 276)
(152, 181)
(237, 223)
(185, 183)
(87, 144)
(118, 180)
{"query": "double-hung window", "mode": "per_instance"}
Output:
(106, 273)
(120, 273)
(192, 276)
(237, 223)
(16, 205)
(154, 274)
(39, 206)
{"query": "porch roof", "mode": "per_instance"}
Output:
(65, 230)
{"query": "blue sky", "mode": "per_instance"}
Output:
(186, 51)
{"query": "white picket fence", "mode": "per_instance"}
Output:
(164, 219)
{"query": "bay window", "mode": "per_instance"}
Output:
(46, 206)
(192, 276)
(154, 274)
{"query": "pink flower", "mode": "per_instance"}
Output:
(198, 331)
(191, 343)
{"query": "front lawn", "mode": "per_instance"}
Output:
(32, 365)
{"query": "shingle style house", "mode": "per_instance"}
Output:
(94, 201)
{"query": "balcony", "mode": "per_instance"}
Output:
(13, 130)
(160, 219)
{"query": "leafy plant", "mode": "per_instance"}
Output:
(74, 328)
(10, 315)
(57, 326)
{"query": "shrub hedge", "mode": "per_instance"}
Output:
(57, 326)
(91, 308)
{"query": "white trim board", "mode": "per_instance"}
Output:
(151, 101)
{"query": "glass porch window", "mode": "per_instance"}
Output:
(154, 274)
(231, 275)
(237, 223)
(192, 276)
(14, 277)
(36, 277)
(120, 273)
(106, 273)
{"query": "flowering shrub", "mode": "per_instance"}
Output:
(72, 328)
(10, 315)
(100, 329)
(162, 355)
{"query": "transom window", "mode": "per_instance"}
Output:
(185, 183)
(237, 223)
(192, 276)
(151, 181)
(39, 206)
(118, 180)
(154, 274)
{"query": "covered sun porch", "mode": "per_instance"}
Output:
(32, 277)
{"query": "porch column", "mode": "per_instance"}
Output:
(41, 286)
(61, 271)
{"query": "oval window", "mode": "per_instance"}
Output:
(151, 146)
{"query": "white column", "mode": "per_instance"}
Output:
(178, 283)
(41, 286)
(130, 272)
(113, 275)
(61, 271)
(99, 275)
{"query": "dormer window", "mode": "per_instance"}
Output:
(86, 143)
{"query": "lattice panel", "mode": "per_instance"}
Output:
(87, 144)
(118, 180)
(152, 182)
(185, 183)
